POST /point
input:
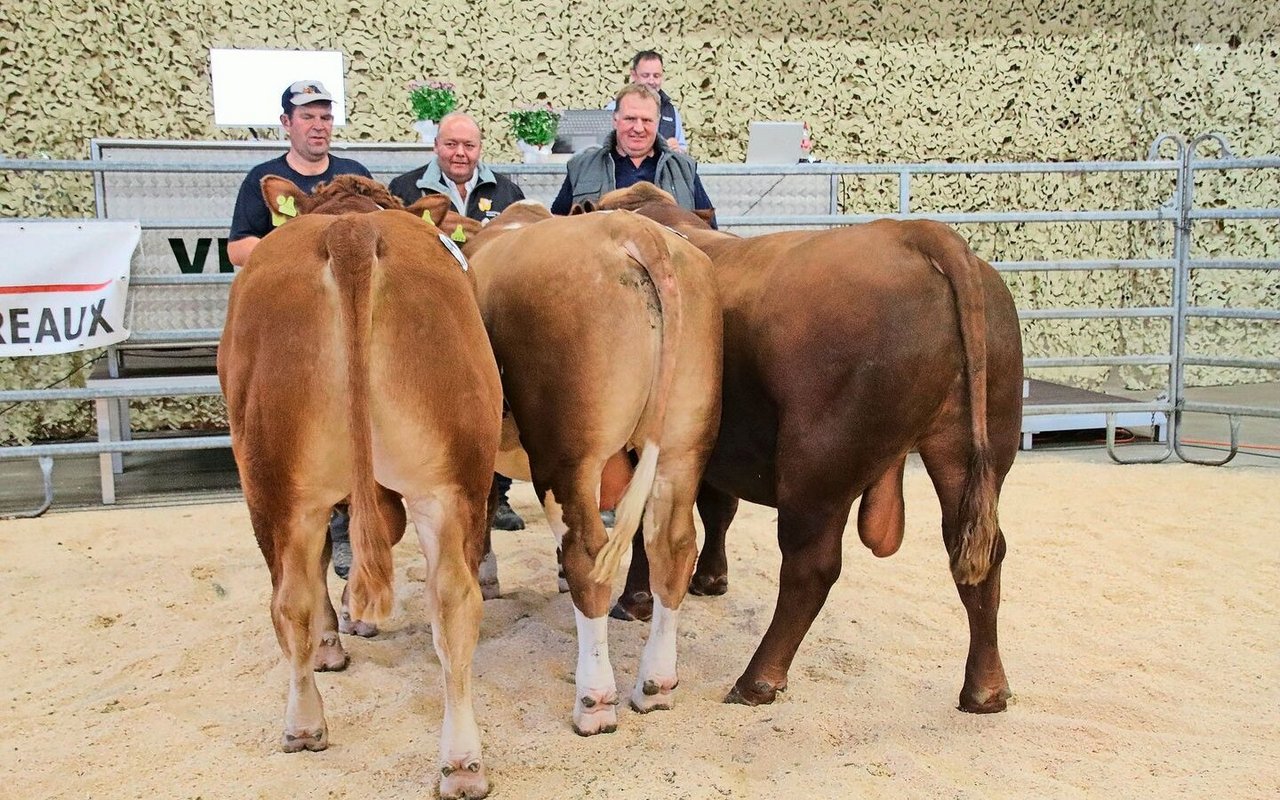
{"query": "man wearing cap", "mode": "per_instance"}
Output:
(307, 119)
(457, 172)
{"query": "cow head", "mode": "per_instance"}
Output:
(647, 199)
(345, 194)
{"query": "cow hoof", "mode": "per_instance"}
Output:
(329, 655)
(637, 606)
(758, 693)
(463, 778)
(488, 575)
(653, 695)
(357, 627)
(708, 585)
(988, 702)
(594, 713)
(297, 741)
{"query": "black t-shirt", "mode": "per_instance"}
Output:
(251, 216)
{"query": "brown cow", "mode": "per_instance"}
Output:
(607, 330)
(354, 362)
(845, 350)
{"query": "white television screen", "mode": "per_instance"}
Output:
(247, 84)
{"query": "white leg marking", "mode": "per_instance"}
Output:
(595, 708)
(657, 678)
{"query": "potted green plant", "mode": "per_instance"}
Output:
(535, 130)
(430, 99)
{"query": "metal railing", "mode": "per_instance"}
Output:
(1178, 212)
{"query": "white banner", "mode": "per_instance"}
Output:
(63, 284)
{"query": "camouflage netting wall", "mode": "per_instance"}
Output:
(877, 80)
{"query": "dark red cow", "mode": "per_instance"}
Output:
(844, 351)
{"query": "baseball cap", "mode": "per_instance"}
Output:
(300, 93)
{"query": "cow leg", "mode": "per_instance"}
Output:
(580, 535)
(986, 688)
(809, 535)
(672, 544)
(296, 559)
(711, 575)
(329, 653)
(489, 588)
(717, 509)
(445, 521)
(636, 601)
(393, 523)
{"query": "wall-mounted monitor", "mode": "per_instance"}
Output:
(247, 84)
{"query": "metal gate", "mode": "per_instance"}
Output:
(758, 198)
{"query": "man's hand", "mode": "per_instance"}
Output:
(674, 145)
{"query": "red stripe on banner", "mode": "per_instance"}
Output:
(54, 287)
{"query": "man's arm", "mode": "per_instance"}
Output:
(700, 198)
(564, 201)
(680, 137)
(239, 250)
(250, 221)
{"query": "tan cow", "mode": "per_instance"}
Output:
(354, 362)
(844, 351)
(607, 330)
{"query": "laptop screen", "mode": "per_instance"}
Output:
(774, 142)
(581, 128)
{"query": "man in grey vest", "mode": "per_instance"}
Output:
(633, 152)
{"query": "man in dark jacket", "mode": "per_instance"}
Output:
(477, 192)
(457, 172)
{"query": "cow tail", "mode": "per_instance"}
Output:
(353, 244)
(974, 551)
(651, 253)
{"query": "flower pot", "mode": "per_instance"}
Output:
(533, 153)
(427, 130)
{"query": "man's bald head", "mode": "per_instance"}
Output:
(458, 146)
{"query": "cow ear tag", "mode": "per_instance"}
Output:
(426, 215)
(459, 235)
(287, 209)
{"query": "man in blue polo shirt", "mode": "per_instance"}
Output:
(633, 152)
(307, 118)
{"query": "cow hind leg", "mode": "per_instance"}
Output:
(671, 541)
(392, 523)
(986, 688)
(717, 510)
(298, 600)
(580, 534)
(636, 601)
(445, 522)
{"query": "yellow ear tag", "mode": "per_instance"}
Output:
(459, 235)
(287, 209)
(426, 215)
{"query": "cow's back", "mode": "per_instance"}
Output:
(852, 328)
(573, 317)
(284, 362)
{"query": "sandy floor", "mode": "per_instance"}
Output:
(1140, 632)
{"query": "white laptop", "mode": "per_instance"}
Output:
(774, 142)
